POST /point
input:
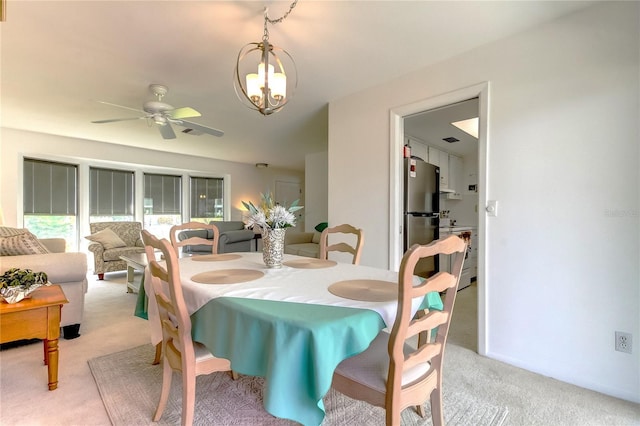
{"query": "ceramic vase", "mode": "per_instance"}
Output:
(273, 247)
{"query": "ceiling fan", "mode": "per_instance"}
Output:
(164, 115)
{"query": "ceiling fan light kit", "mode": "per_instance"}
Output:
(163, 115)
(261, 83)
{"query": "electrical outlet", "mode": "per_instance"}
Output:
(623, 342)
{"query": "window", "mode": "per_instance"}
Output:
(111, 195)
(162, 203)
(206, 199)
(50, 200)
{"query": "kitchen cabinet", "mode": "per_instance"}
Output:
(441, 159)
(451, 171)
(455, 177)
(418, 149)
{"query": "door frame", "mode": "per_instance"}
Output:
(397, 115)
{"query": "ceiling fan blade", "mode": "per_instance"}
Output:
(117, 119)
(166, 131)
(121, 106)
(185, 112)
(198, 128)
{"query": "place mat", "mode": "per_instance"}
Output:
(310, 263)
(365, 290)
(227, 276)
(215, 257)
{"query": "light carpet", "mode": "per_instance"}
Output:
(130, 387)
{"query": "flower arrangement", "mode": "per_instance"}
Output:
(17, 284)
(271, 215)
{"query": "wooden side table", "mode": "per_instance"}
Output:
(36, 318)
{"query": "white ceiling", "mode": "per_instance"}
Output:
(60, 57)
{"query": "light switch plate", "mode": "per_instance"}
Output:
(492, 208)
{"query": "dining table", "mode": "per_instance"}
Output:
(290, 325)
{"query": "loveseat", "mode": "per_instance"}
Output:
(234, 237)
(67, 269)
(302, 243)
(110, 240)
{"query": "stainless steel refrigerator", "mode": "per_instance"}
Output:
(421, 209)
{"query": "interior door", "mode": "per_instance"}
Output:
(287, 193)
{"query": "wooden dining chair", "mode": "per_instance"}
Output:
(356, 250)
(393, 373)
(181, 353)
(151, 256)
(194, 240)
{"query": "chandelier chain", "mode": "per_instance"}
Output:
(265, 36)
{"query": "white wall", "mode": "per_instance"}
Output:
(562, 269)
(246, 181)
(316, 189)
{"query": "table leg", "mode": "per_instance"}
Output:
(130, 275)
(52, 362)
(46, 354)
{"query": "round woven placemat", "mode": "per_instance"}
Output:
(310, 263)
(227, 276)
(365, 290)
(215, 257)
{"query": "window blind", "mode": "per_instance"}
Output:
(111, 192)
(162, 194)
(206, 197)
(49, 188)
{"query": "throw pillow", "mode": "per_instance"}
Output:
(316, 237)
(107, 238)
(6, 231)
(21, 244)
(321, 226)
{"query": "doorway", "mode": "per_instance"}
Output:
(397, 121)
(287, 193)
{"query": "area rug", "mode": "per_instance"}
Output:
(130, 387)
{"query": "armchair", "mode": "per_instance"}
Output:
(107, 247)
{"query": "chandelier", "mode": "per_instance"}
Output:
(260, 80)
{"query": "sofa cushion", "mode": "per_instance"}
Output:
(22, 244)
(227, 225)
(304, 249)
(107, 238)
(316, 237)
(115, 253)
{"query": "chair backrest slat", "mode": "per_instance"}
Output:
(194, 240)
(356, 250)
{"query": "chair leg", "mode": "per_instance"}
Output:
(234, 375)
(436, 407)
(393, 416)
(167, 374)
(156, 360)
(420, 410)
(188, 398)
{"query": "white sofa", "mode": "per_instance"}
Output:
(69, 270)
